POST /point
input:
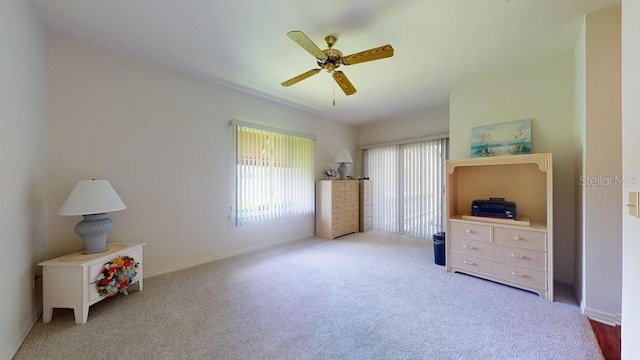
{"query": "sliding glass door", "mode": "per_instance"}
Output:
(408, 186)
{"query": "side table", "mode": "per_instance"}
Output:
(70, 281)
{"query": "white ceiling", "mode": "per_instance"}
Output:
(243, 43)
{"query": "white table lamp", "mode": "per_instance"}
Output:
(343, 158)
(93, 199)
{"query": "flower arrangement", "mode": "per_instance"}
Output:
(116, 276)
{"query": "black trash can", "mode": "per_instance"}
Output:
(438, 248)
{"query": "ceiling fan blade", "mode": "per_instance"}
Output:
(300, 77)
(302, 40)
(368, 55)
(344, 83)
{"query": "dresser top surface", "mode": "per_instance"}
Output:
(78, 259)
(535, 225)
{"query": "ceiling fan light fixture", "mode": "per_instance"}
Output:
(330, 67)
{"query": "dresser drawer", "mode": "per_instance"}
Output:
(345, 206)
(471, 231)
(367, 223)
(338, 186)
(520, 256)
(344, 228)
(367, 211)
(338, 196)
(471, 263)
(343, 217)
(521, 275)
(351, 186)
(511, 273)
(367, 199)
(471, 247)
(367, 187)
(521, 238)
(351, 195)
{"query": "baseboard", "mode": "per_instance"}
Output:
(23, 333)
(603, 317)
(148, 274)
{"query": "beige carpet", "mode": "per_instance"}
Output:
(364, 296)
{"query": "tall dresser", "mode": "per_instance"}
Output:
(336, 208)
(366, 205)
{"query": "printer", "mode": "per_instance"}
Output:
(494, 207)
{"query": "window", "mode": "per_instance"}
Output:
(408, 186)
(274, 173)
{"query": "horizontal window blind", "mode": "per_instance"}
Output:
(274, 175)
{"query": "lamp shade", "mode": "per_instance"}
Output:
(92, 197)
(343, 157)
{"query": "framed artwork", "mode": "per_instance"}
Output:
(510, 138)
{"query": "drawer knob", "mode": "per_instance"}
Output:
(469, 262)
(469, 231)
(469, 247)
(517, 238)
(521, 275)
(518, 256)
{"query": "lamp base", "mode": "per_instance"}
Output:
(94, 230)
(342, 170)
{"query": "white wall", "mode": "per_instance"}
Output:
(162, 140)
(601, 240)
(630, 167)
(23, 164)
(429, 122)
(543, 92)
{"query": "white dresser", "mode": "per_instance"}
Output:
(336, 208)
(70, 281)
(366, 205)
(513, 255)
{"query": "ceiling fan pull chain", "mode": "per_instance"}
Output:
(334, 93)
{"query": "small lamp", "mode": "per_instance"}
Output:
(343, 158)
(93, 199)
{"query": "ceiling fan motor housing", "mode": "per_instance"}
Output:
(333, 60)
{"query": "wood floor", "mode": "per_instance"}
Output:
(608, 339)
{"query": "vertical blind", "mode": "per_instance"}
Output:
(274, 175)
(408, 189)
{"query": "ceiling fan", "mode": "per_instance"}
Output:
(331, 59)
